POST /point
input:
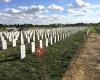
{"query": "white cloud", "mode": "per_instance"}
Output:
(82, 8)
(7, 1)
(94, 6)
(70, 5)
(42, 17)
(71, 11)
(30, 14)
(57, 16)
(24, 9)
(12, 11)
(50, 17)
(21, 14)
(81, 3)
(32, 9)
(75, 12)
(86, 10)
(55, 7)
(81, 11)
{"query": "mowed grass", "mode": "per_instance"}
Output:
(93, 30)
(51, 66)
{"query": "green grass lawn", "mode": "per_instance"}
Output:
(51, 66)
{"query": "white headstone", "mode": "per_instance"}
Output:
(14, 42)
(63, 36)
(42, 35)
(4, 44)
(10, 39)
(41, 44)
(2, 38)
(58, 37)
(28, 39)
(53, 33)
(47, 42)
(45, 35)
(48, 34)
(26, 35)
(22, 38)
(38, 37)
(68, 34)
(51, 40)
(33, 47)
(54, 39)
(33, 37)
(23, 52)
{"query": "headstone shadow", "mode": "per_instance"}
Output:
(10, 58)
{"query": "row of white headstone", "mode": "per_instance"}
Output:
(47, 36)
(51, 37)
(13, 36)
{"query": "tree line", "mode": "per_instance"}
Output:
(3, 26)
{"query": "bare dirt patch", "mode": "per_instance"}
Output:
(86, 66)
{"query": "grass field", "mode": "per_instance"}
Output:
(50, 66)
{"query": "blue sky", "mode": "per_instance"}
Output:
(49, 11)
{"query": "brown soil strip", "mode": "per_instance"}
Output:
(86, 66)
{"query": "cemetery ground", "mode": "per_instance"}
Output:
(51, 66)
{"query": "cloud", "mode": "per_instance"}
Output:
(28, 14)
(70, 5)
(42, 17)
(81, 3)
(32, 9)
(12, 11)
(86, 10)
(24, 9)
(57, 16)
(81, 11)
(55, 7)
(50, 17)
(75, 12)
(81, 8)
(21, 14)
(7, 1)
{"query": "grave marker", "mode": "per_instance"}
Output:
(4, 44)
(23, 52)
(41, 44)
(33, 47)
(14, 42)
(47, 42)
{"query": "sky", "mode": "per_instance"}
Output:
(49, 11)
